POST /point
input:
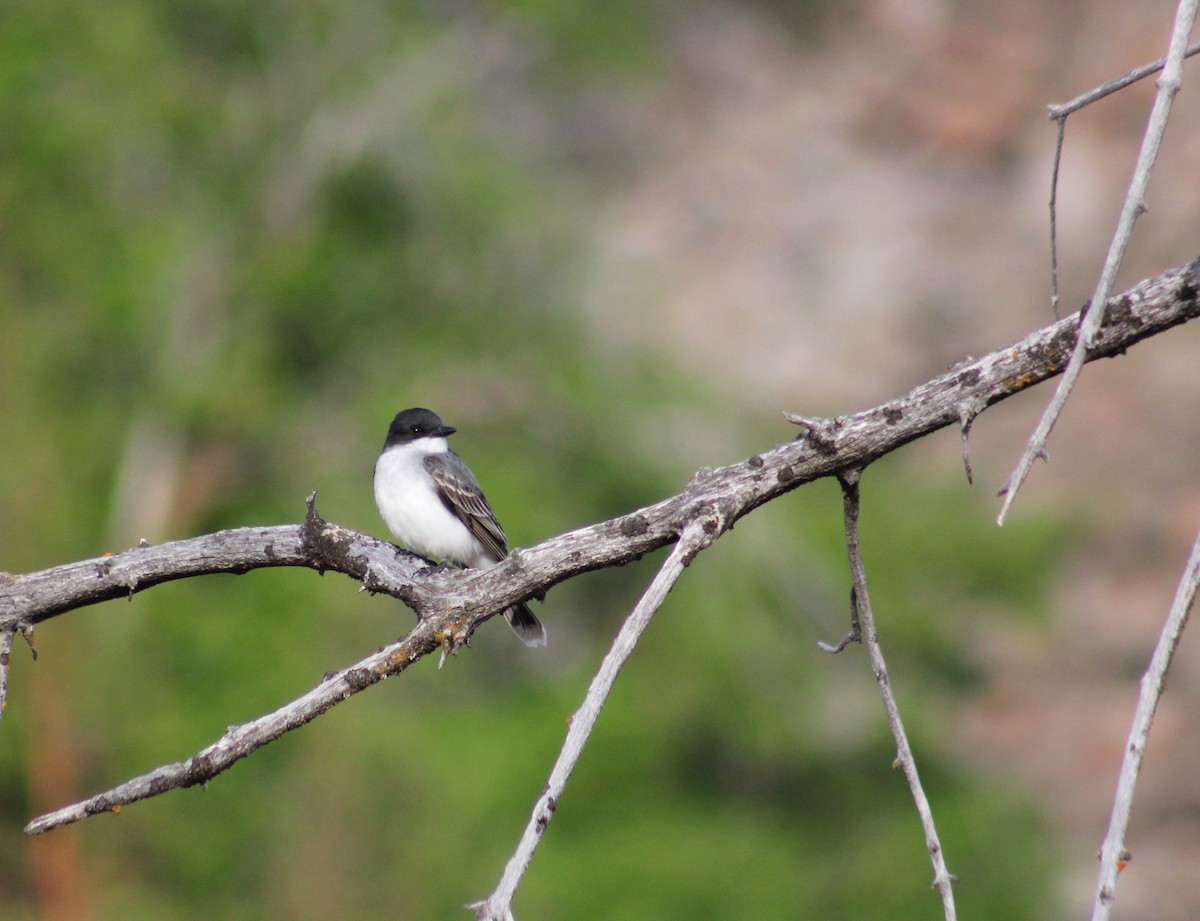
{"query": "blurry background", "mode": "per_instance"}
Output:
(618, 239)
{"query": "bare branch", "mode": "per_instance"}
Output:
(1058, 149)
(698, 534)
(240, 741)
(1154, 682)
(861, 603)
(452, 604)
(1168, 86)
(1059, 112)
(243, 740)
(1147, 309)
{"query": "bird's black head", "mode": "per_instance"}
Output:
(412, 424)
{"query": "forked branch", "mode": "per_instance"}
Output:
(452, 604)
(1135, 205)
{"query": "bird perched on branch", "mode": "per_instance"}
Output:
(432, 503)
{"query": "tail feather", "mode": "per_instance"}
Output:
(526, 625)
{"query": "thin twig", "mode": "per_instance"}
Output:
(1058, 147)
(1152, 687)
(968, 412)
(853, 635)
(1168, 86)
(942, 880)
(240, 741)
(1059, 112)
(696, 536)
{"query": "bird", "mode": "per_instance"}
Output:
(433, 504)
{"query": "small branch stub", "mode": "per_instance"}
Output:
(853, 635)
(821, 432)
(968, 412)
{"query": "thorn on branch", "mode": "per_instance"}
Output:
(314, 524)
(26, 630)
(821, 432)
(451, 641)
(325, 547)
(310, 503)
(968, 412)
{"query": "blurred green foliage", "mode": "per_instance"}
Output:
(234, 239)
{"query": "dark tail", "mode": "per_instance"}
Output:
(526, 625)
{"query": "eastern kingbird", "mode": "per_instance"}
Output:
(432, 503)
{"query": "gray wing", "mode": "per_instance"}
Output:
(459, 490)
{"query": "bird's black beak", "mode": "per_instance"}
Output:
(446, 430)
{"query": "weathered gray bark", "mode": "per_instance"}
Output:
(452, 604)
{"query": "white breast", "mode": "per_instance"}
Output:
(412, 509)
